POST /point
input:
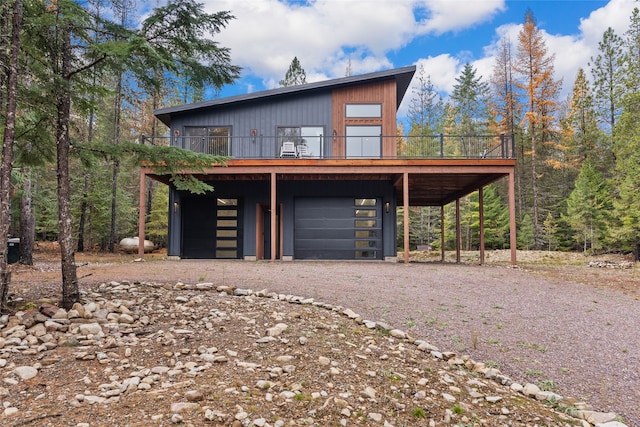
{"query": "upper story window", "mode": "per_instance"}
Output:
(212, 140)
(359, 111)
(300, 142)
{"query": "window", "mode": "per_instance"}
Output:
(213, 140)
(364, 141)
(307, 141)
(227, 238)
(358, 111)
(367, 240)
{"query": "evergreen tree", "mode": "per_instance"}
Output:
(626, 182)
(496, 219)
(426, 107)
(549, 229)
(504, 99)
(525, 236)
(170, 39)
(295, 74)
(8, 137)
(631, 56)
(426, 114)
(607, 72)
(589, 207)
(158, 217)
(470, 102)
(581, 137)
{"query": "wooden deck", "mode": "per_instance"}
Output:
(432, 182)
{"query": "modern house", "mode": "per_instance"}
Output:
(316, 171)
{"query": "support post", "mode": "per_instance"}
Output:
(512, 217)
(274, 210)
(405, 200)
(142, 213)
(458, 233)
(442, 239)
(481, 217)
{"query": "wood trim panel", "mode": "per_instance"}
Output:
(383, 93)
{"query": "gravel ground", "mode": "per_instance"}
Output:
(563, 326)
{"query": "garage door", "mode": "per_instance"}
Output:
(338, 228)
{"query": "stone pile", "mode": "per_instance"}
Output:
(145, 354)
(611, 264)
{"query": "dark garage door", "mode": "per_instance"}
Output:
(338, 228)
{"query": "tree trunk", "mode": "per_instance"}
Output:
(114, 205)
(7, 150)
(83, 212)
(116, 165)
(534, 191)
(70, 289)
(27, 221)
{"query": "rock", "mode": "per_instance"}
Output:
(369, 393)
(130, 245)
(25, 372)
(10, 411)
(397, 333)
(375, 416)
(611, 424)
(593, 417)
(194, 395)
(350, 314)
(184, 406)
(448, 397)
(530, 390)
(277, 330)
(90, 329)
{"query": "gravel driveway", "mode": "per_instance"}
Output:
(581, 339)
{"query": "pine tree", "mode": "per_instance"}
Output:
(426, 115)
(627, 171)
(496, 219)
(589, 207)
(295, 74)
(7, 145)
(580, 137)
(607, 72)
(170, 39)
(631, 56)
(470, 101)
(504, 99)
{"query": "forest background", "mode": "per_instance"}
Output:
(81, 80)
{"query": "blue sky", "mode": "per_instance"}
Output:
(374, 35)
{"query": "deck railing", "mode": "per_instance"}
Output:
(354, 147)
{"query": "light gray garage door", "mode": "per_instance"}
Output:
(338, 228)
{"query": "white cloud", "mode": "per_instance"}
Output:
(267, 34)
(325, 34)
(453, 15)
(615, 15)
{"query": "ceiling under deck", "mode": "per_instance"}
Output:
(431, 183)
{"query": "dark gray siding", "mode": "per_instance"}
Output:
(265, 117)
(257, 192)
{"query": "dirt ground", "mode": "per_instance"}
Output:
(521, 350)
(568, 266)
